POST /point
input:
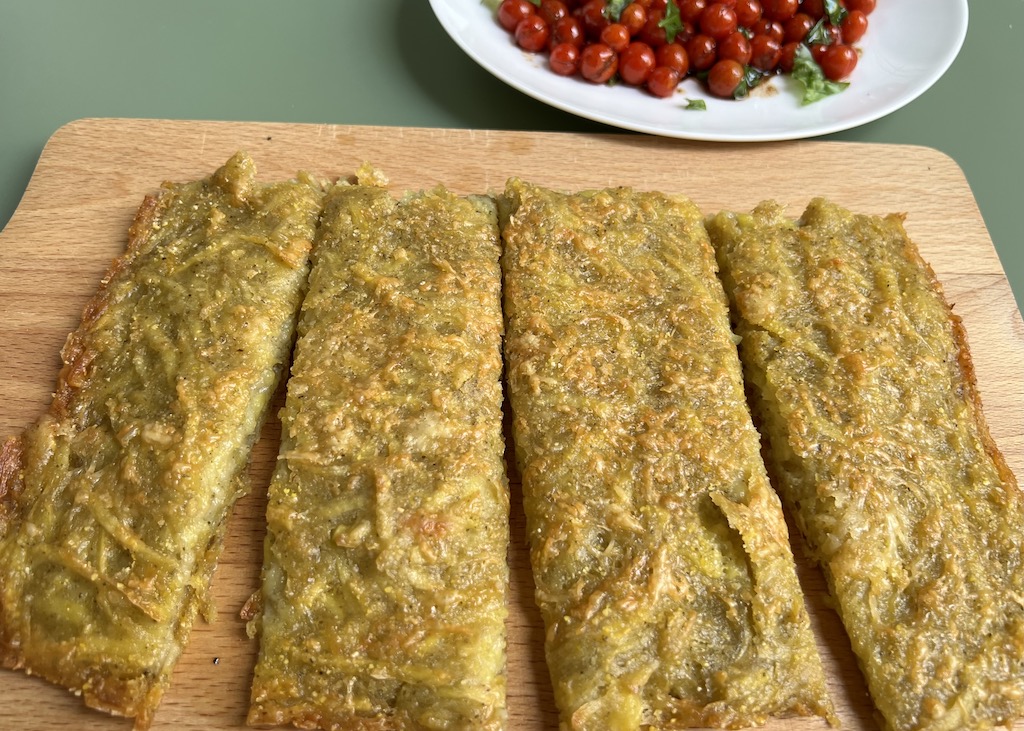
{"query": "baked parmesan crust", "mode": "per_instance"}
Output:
(113, 505)
(661, 557)
(866, 392)
(385, 574)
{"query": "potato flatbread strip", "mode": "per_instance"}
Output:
(661, 557)
(385, 574)
(865, 389)
(113, 505)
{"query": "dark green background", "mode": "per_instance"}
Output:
(388, 62)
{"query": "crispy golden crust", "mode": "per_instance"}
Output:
(112, 506)
(11, 483)
(866, 391)
(385, 579)
(659, 550)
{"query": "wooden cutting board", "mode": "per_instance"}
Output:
(93, 173)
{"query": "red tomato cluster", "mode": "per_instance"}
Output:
(730, 44)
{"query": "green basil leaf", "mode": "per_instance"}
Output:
(818, 33)
(672, 23)
(812, 79)
(751, 78)
(696, 104)
(613, 10)
(834, 11)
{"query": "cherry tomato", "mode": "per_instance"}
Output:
(854, 26)
(787, 57)
(718, 21)
(814, 8)
(567, 30)
(765, 27)
(552, 11)
(735, 46)
(674, 56)
(636, 63)
(724, 77)
(592, 18)
(598, 62)
(780, 10)
(532, 33)
(685, 33)
(797, 27)
(764, 52)
(864, 6)
(616, 36)
(690, 10)
(748, 12)
(818, 50)
(838, 61)
(564, 59)
(663, 81)
(703, 52)
(510, 12)
(653, 34)
(634, 17)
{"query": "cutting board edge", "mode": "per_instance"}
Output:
(97, 126)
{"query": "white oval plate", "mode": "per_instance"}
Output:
(909, 45)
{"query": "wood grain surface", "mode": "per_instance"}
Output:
(92, 176)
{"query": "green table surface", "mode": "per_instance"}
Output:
(389, 62)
